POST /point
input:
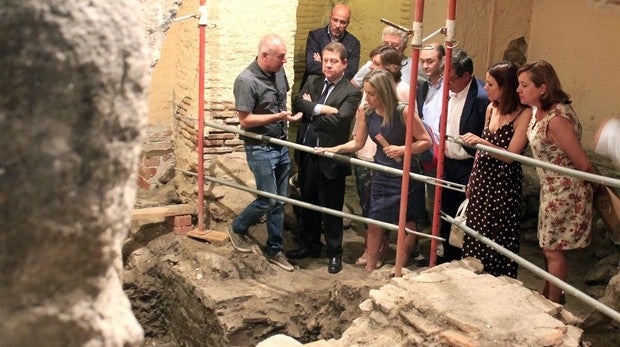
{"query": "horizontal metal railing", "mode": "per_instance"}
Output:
(339, 157)
(388, 226)
(586, 176)
(597, 305)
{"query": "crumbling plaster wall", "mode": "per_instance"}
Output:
(73, 80)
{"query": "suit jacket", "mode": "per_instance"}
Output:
(317, 40)
(420, 95)
(474, 110)
(332, 129)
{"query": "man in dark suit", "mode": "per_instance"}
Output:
(326, 122)
(336, 31)
(466, 113)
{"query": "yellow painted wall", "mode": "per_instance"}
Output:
(175, 74)
(579, 37)
(483, 27)
(581, 40)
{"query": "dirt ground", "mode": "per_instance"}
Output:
(353, 244)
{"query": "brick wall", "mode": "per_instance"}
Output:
(157, 160)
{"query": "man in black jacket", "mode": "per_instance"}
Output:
(466, 113)
(326, 122)
(336, 31)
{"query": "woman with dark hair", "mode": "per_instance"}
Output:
(385, 118)
(565, 213)
(389, 59)
(494, 188)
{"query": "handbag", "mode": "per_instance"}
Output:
(456, 233)
(607, 204)
(427, 159)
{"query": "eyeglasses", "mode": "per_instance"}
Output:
(452, 80)
(391, 44)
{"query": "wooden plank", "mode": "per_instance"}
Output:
(162, 211)
(217, 238)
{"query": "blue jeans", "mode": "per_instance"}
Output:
(271, 167)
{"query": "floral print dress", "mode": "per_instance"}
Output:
(565, 213)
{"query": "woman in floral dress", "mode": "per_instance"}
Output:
(565, 214)
(494, 188)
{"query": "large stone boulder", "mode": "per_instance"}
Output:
(73, 79)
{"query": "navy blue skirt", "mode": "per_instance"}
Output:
(385, 198)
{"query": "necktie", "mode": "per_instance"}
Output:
(323, 96)
(311, 138)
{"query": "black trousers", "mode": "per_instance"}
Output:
(457, 171)
(320, 190)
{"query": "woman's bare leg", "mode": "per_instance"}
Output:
(557, 266)
(410, 241)
(373, 242)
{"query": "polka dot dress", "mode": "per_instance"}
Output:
(494, 206)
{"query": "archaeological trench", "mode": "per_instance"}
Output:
(77, 268)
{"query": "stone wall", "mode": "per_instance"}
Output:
(73, 81)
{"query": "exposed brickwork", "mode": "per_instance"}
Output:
(181, 224)
(157, 158)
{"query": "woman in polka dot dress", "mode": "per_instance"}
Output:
(494, 188)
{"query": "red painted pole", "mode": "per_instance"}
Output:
(402, 217)
(201, 113)
(449, 41)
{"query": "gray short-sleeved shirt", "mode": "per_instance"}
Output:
(259, 93)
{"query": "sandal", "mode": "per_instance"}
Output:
(363, 259)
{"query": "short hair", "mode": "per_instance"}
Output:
(383, 83)
(267, 43)
(338, 48)
(391, 59)
(390, 30)
(462, 63)
(505, 74)
(441, 53)
(541, 72)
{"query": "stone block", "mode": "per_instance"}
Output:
(162, 211)
(454, 338)
(543, 304)
(366, 305)
(572, 338)
(420, 324)
(462, 323)
(217, 150)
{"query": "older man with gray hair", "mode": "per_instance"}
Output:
(396, 38)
